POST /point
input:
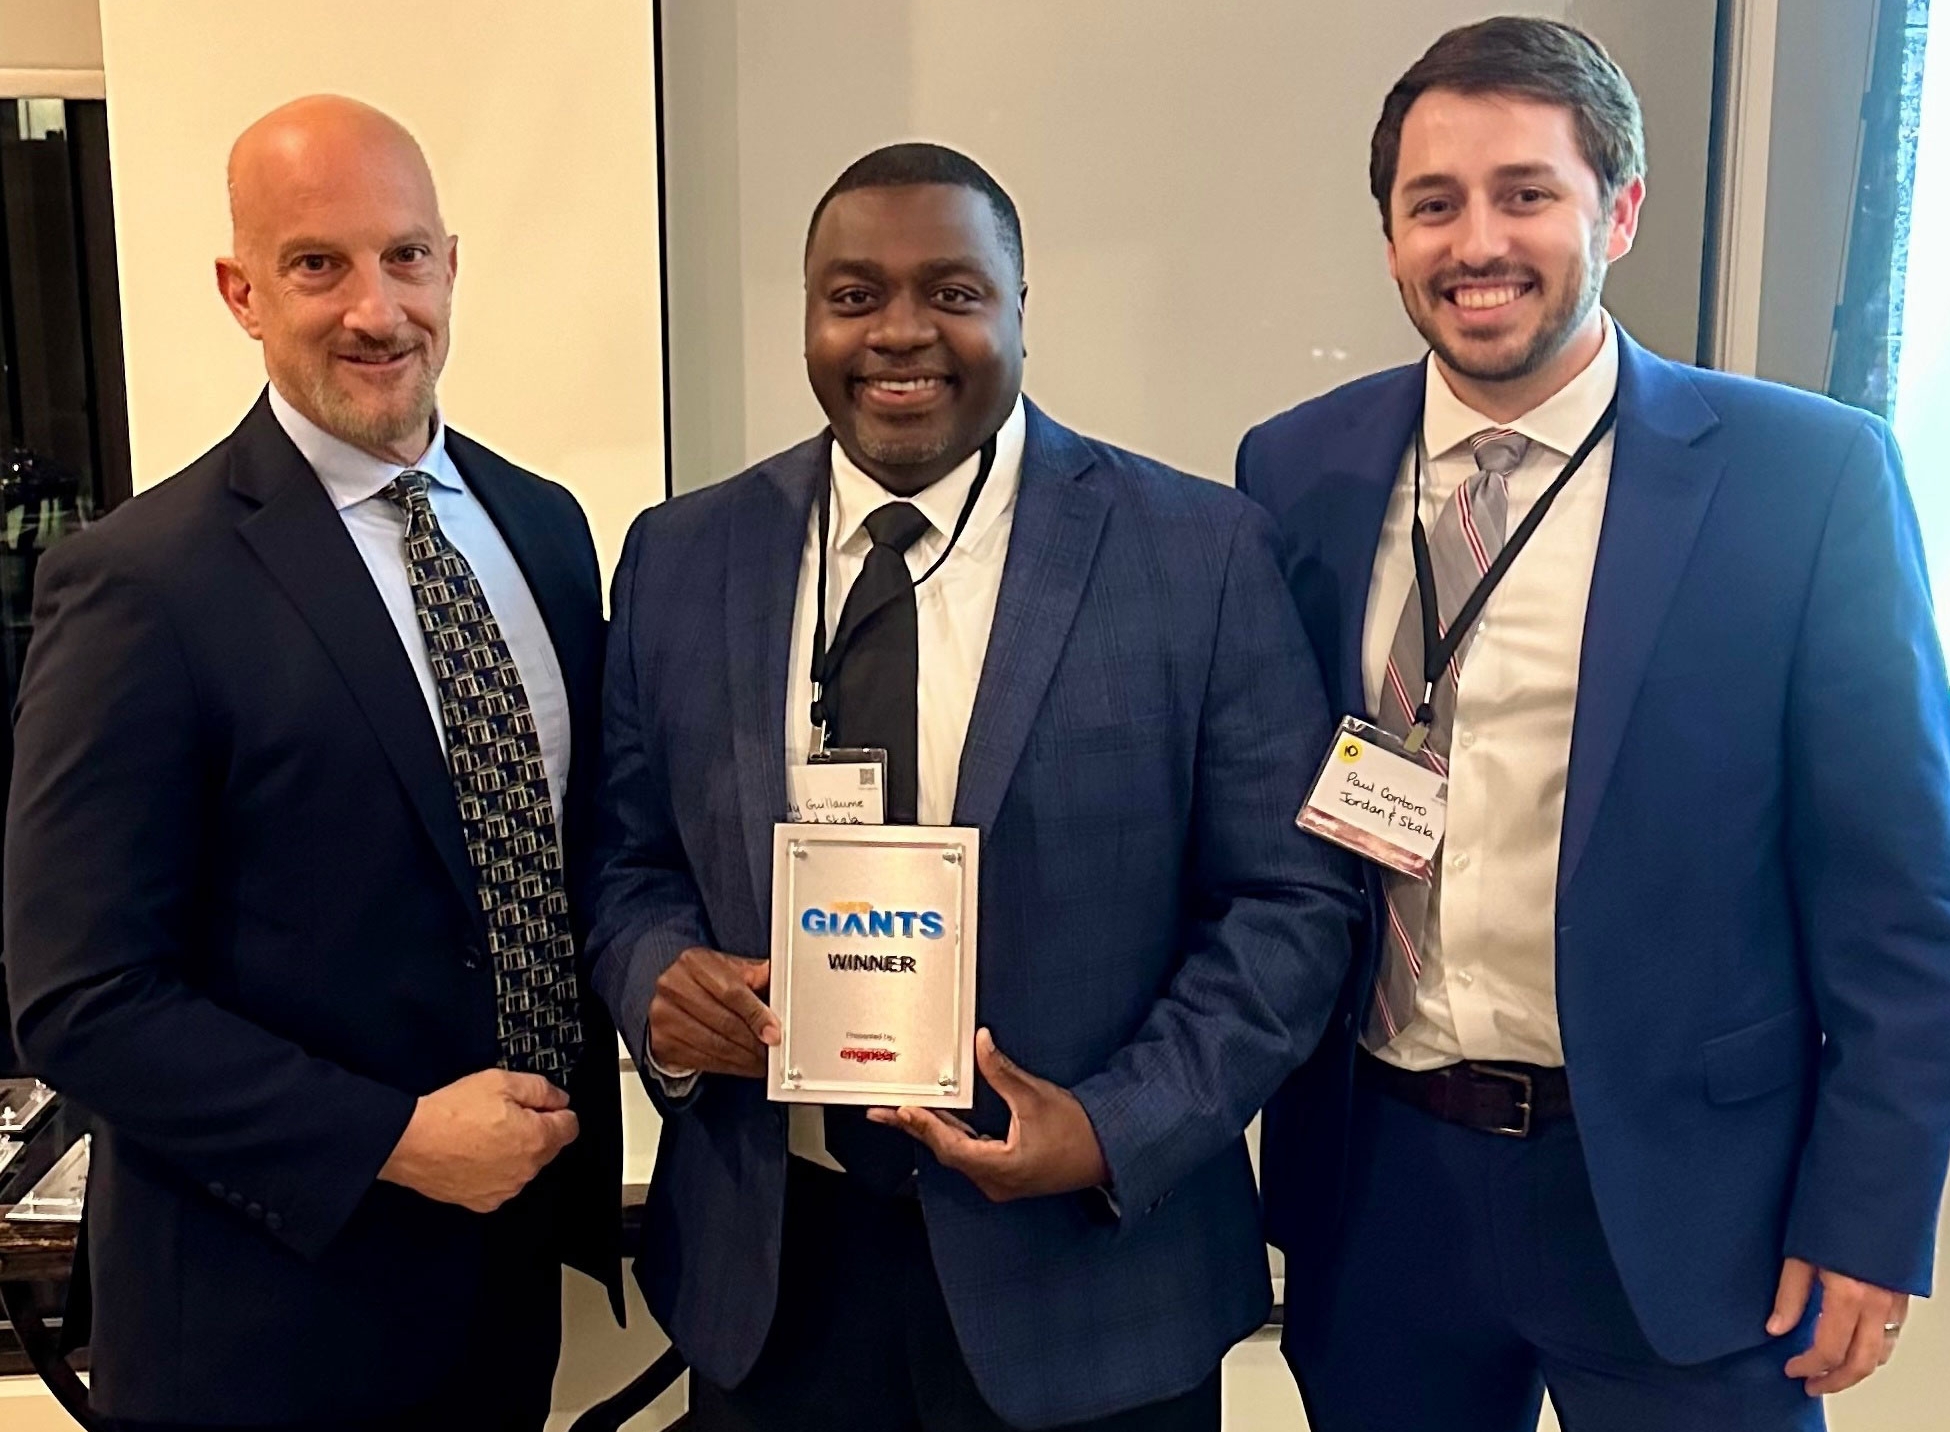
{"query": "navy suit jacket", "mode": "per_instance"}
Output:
(242, 929)
(1753, 895)
(1156, 933)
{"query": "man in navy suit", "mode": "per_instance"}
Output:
(1645, 1097)
(356, 1106)
(1090, 658)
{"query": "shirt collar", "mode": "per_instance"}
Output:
(855, 494)
(1560, 422)
(349, 475)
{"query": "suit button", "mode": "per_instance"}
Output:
(216, 1190)
(236, 1200)
(254, 1212)
(273, 1222)
(471, 957)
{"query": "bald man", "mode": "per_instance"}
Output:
(305, 746)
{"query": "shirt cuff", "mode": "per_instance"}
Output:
(676, 1083)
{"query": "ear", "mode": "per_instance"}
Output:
(453, 257)
(1022, 305)
(1624, 220)
(1394, 271)
(237, 291)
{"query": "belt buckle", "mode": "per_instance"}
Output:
(1521, 1130)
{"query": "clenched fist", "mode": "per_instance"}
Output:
(479, 1141)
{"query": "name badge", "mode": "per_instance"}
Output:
(1379, 800)
(845, 786)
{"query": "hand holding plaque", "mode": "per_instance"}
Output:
(1051, 1146)
(708, 1014)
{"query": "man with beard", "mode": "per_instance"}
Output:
(1088, 657)
(287, 906)
(1643, 1094)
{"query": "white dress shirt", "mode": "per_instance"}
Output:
(354, 481)
(1489, 955)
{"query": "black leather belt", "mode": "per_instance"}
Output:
(1515, 1100)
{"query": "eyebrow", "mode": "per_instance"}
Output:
(1508, 173)
(932, 269)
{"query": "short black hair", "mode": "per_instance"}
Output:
(896, 166)
(1536, 59)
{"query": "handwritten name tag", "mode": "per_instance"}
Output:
(1375, 798)
(835, 793)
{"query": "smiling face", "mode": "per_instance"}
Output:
(343, 271)
(1500, 241)
(913, 328)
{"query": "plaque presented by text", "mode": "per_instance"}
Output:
(873, 964)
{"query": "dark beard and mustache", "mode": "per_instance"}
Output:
(1578, 295)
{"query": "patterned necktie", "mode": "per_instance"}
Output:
(1466, 539)
(494, 754)
(875, 701)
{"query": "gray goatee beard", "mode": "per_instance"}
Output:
(344, 419)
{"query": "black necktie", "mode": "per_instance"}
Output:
(494, 754)
(872, 699)
(871, 696)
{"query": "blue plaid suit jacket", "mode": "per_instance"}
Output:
(1156, 934)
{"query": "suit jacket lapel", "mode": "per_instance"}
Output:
(300, 538)
(1358, 475)
(1059, 518)
(549, 564)
(1661, 485)
(764, 544)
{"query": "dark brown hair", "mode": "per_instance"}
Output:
(1529, 58)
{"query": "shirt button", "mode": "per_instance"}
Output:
(1465, 978)
(1459, 861)
(1468, 739)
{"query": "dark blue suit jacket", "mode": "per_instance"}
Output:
(1156, 933)
(1753, 900)
(241, 928)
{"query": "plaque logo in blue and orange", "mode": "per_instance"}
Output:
(859, 920)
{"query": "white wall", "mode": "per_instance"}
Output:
(1202, 249)
(542, 137)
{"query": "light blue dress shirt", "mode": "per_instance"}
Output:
(354, 480)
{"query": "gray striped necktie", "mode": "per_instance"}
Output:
(494, 753)
(1466, 539)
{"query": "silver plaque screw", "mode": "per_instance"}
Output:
(947, 1081)
(951, 857)
(798, 850)
(793, 1076)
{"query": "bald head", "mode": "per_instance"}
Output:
(342, 269)
(318, 139)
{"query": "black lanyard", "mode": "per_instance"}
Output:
(1440, 648)
(823, 661)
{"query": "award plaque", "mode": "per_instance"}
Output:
(873, 964)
